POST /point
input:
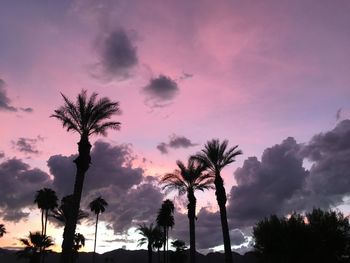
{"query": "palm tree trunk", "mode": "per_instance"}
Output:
(93, 256)
(45, 227)
(149, 252)
(82, 163)
(158, 255)
(42, 234)
(191, 217)
(164, 256)
(221, 199)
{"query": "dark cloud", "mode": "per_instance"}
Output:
(29, 110)
(160, 91)
(132, 197)
(2, 154)
(27, 145)
(5, 102)
(163, 147)
(118, 54)
(265, 187)
(18, 185)
(175, 142)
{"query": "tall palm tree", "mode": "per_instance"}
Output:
(62, 213)
(2, 230)
(98, 207)
(150, 234)
(188, 180)
(33, 245)
(46, 199)
(87, 116)
(215, 156)
(165, 219)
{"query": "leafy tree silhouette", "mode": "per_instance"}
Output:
(165, 220)
(188, 179)
(97, 206)
(33, 244)
(320, 236)
(87, 116)
(2, 230)
(215, 156)
(46, 199)
(150, 235)
(180, 255)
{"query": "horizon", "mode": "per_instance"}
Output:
(271, 77)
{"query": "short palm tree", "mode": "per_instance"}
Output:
(87, 116)
(79, 242)
(215, 156)
(46, 199)
(2, 230)
(188, 179)
(33, 244)
(150, 234)
(165, 220)
(97, 206)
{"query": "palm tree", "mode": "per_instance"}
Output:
(188, 180)
(165, 219)
(65, 210)
(158, 242)
(2, 230)
(46, 199)
(86, 116)
(98, 207)
(35, 243)
(79, 242)
(150, 234)
(215, 156)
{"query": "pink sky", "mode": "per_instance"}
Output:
(260, 71)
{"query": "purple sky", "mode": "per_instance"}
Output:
(270, 76)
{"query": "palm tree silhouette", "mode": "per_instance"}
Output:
(86, 116)
(165, 219)
(215, 156)
(98, 207)
(35, 243)
(158, 242)
(79, 242)
(2, 230)
(150, 234)
(188, 180)
(46, 199)
(65, 210)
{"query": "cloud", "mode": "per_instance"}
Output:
(118, 55)
(4, 100)
(175, 142)
(160, 91)
(28, 110)
(279, 184)
(18, 185)
(27, 145)
(132, 197)
(2, 154)
(265, 187)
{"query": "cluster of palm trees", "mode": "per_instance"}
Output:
(91, 116)
(37, 243)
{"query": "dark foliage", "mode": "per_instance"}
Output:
(320, 236)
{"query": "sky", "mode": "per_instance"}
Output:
(269, 76)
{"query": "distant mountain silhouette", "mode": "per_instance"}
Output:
(128, 256)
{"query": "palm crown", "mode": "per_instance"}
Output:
(188, 178)
(216, 156)
(88, 116)
(98, 205)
